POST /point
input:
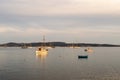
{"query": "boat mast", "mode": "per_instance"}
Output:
(43, 40)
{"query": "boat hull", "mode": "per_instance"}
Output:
(41, 52)
(82, 56)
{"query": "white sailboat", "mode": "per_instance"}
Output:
(90, 50)
(24, 46)
(43, 49)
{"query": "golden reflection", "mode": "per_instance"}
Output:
(41, 55)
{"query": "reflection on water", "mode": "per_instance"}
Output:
(41, 55)
(59, 64)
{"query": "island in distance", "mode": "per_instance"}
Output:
(56, 44)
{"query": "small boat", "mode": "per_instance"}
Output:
(88, 50)
(24, 46)
(30, 45)
(82, 56)
(43, 49)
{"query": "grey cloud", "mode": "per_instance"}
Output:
(59, 16)
(61, 21)
(56, 7)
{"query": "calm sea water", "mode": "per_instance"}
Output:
(60, 64)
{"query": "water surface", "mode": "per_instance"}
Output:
(60, 64)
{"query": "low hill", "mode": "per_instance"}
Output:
(57, 44)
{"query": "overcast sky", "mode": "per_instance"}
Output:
(91, 21)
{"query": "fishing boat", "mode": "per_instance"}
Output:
(42, 50)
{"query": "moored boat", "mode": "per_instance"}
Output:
(43, 49)
(90, 50)
(82, 56)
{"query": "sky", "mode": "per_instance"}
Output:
(83, 21)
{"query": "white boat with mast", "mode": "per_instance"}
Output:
(90, 50)
(42, 50)
(24, 46)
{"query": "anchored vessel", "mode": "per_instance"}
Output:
(42, 50)
(24, 46)
(90, 50)
(82, 56)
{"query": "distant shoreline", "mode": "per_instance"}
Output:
(57, 44)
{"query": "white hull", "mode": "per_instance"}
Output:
(90, 50)
(41, 51)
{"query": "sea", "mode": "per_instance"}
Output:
(61, 63)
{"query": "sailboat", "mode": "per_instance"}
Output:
(24, 46)
(30, 45)
(90, 50)
(42, 50)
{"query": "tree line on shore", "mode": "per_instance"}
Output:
(56, 44)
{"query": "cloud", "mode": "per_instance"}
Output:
(41, 30)
(70, 34)
(61, 7)
(5, 28)
(31, 31)
(61, 19)
(58, 24)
